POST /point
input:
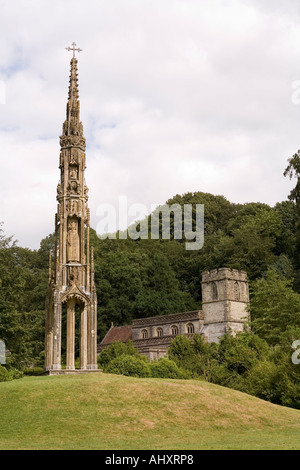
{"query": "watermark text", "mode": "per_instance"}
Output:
(165, 222)
(2, 352)
(296, 354)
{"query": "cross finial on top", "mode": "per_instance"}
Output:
(73, 49)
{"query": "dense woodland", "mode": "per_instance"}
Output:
(139, 278)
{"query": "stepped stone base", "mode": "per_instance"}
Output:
(73, 371)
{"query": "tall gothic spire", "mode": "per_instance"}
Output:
(72, 124)
(71, 279)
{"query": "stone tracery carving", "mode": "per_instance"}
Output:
(74, 207)
(59, 189)
(74, 187)
(74, 157)
(74, 275)
(73, 172)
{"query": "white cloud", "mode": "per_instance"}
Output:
(176, 96)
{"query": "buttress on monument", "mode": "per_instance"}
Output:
(71, 290)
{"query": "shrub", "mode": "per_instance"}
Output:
(9, 374)
(182, 353)
(129, 365)
(261, 381)
(34, 371)
(274, 307)
(165, 368)
(236, 354)
(181, 348)
(115, 350)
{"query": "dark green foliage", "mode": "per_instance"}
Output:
(143, 278)
(129, 365)
(124, 359)
(9, 374)
(286, 242)
(246, 363)
(274, 306)
(293, 171)
(115, 350)
(276, 378)
(235, 357)
(166, 368)
(135, 281)
(23, 284)
(35, 371)
(196, 356)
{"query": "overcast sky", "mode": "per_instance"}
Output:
(176, 96)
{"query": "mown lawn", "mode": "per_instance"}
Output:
(110, 412)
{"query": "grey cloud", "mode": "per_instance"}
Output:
(176, 96)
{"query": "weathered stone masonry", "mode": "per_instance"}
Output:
(71, 285)
(225, 297)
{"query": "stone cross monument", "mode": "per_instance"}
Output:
(71, 290)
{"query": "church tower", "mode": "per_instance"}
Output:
(71, 302)
(225, 301)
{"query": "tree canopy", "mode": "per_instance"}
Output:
(140, 278)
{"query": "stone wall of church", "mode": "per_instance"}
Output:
(152, 336)
(225, 299)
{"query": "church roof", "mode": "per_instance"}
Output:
(117, 333)
(172, 317)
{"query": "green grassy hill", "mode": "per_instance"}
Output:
(102, 411)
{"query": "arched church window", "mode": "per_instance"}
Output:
(145, 334)
(236, 291)
(159, 331)
(190, 328)
(174, 330)
(214, 291)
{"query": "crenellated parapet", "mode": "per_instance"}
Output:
(222, 273)
(225, 284)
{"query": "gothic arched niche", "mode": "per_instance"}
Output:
(73, 241)
(237, 292)
(214, 291)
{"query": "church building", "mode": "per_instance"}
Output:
(225, 299)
